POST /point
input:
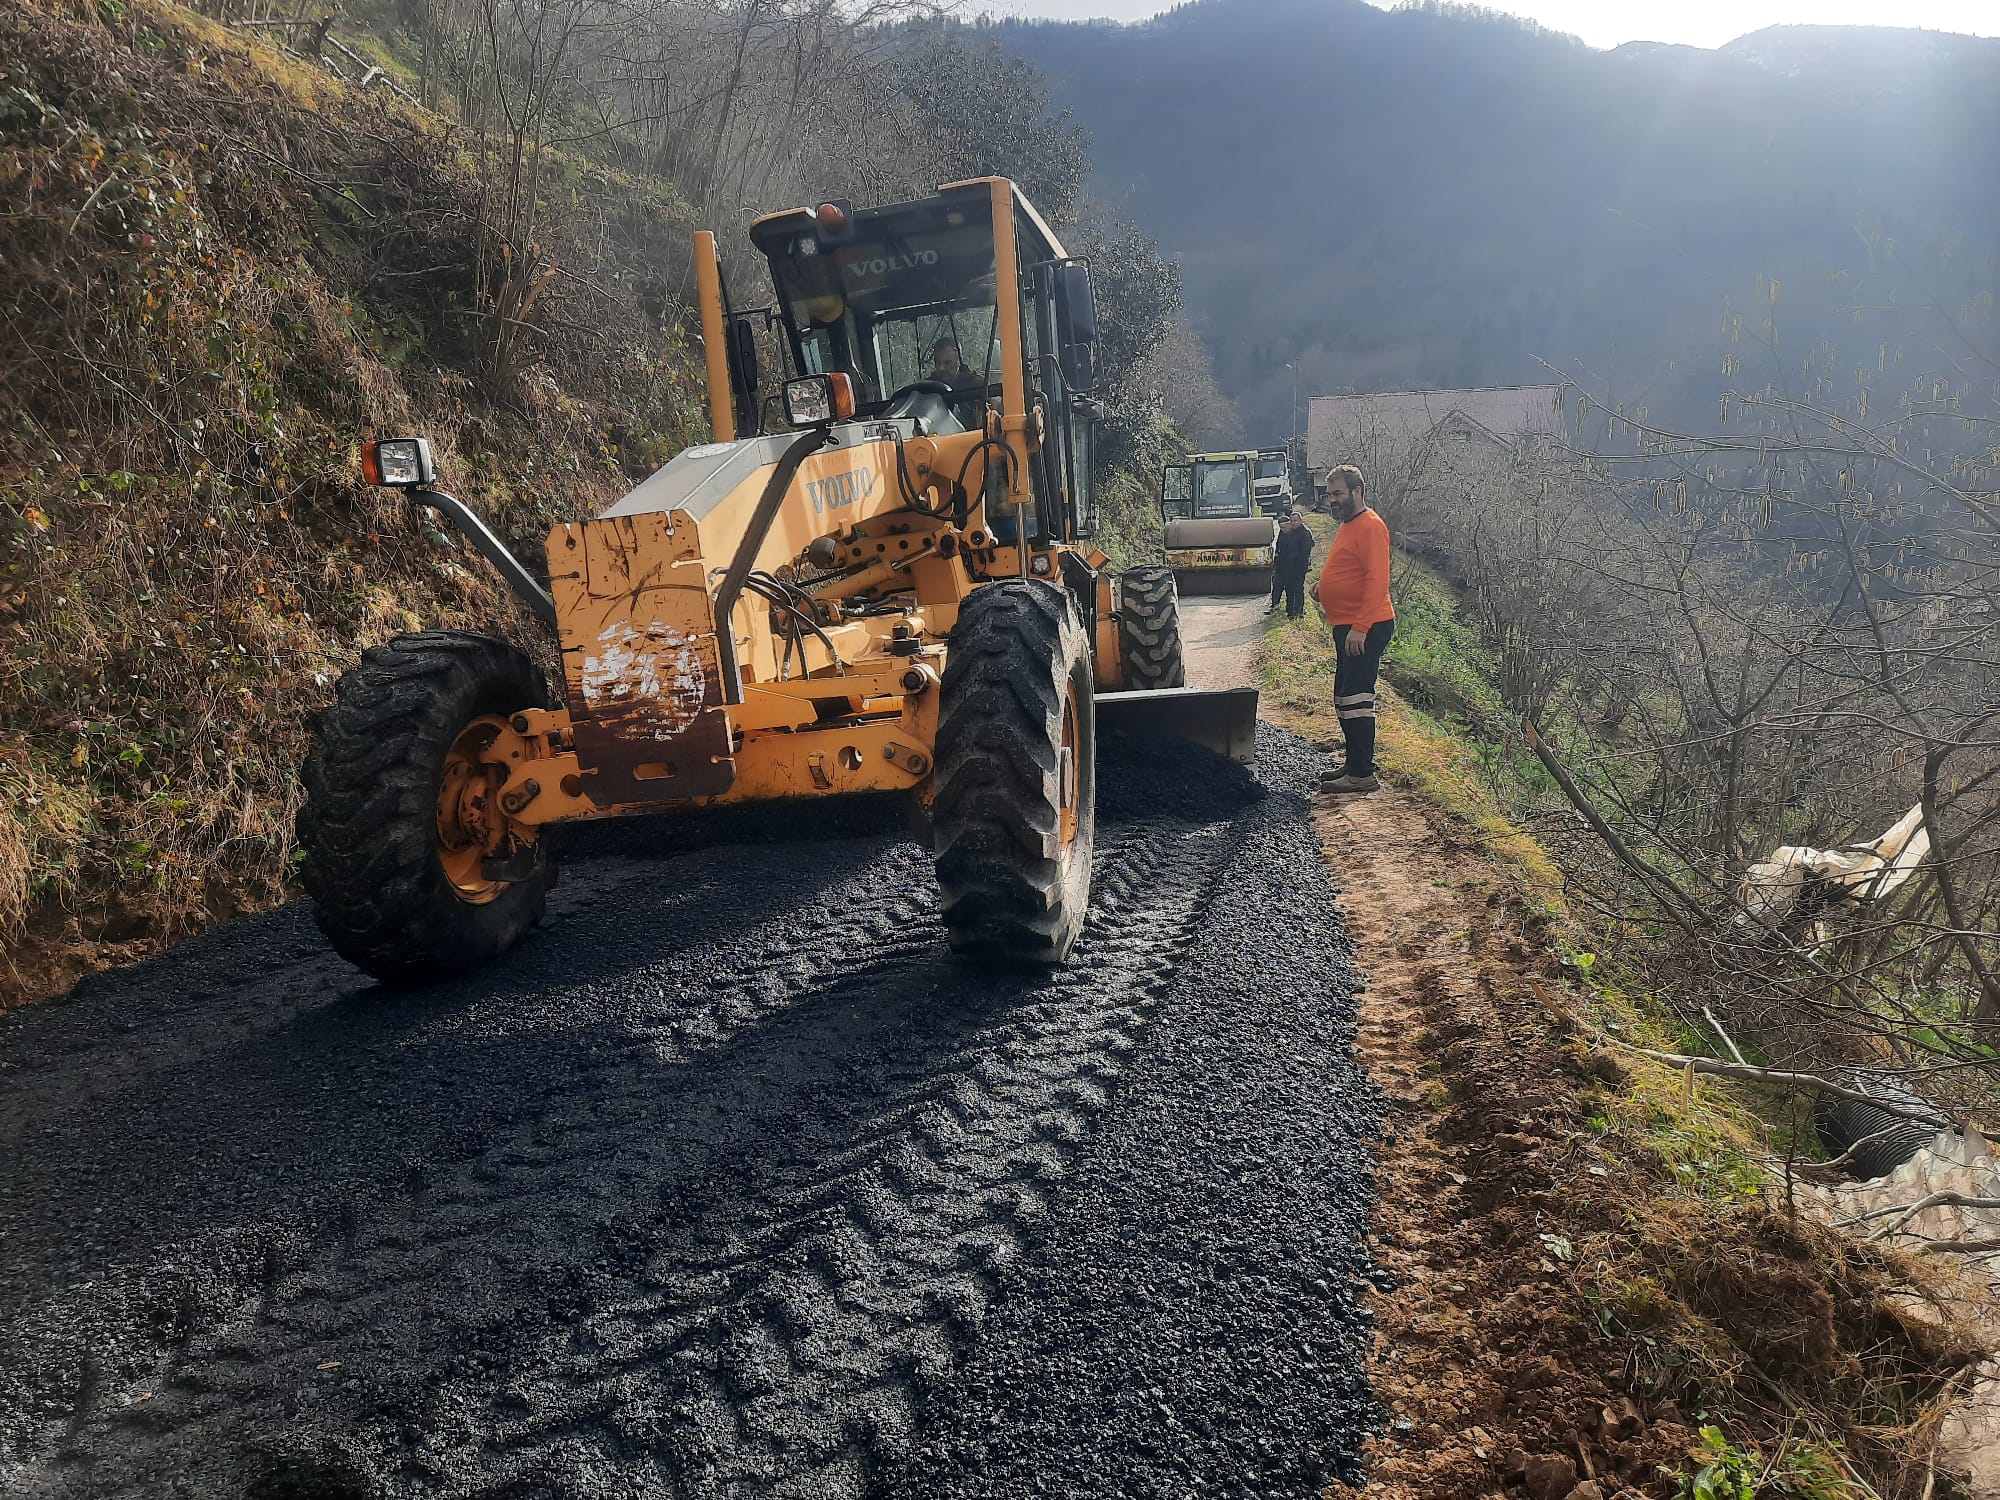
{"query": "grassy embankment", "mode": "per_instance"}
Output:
(220, 270)
(1681, 1245)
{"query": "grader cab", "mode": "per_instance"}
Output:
(876, 579)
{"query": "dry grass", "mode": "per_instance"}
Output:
(224, 272)
(1420, 752)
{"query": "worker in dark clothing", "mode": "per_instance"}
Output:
(1295, 550)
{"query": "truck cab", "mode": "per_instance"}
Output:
(1274, 481)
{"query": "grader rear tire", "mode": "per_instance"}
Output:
(1015, 809)
(1149, 628)
(394, 869)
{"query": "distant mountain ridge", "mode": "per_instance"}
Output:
(1796, 48)
(1445, 197)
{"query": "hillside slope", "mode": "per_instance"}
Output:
(227, 269)
(230, 266)
(1445, 197)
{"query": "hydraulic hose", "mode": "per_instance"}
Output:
(776, 488)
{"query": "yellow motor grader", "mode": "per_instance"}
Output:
(875, 579)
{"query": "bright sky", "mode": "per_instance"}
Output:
(1606, 23)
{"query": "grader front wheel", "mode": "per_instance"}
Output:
(1149, 628)
(1014, 812)
(402, 825)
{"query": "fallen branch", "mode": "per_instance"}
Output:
(1945, 1199)
(95, 193)
(1781, 1078)
(372, 76)
(1910, 1211)
(1734, 1050)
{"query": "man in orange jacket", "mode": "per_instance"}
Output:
(1353, 594)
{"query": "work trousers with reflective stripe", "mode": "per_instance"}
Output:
(1354, 693)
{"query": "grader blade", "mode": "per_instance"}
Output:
(1223, 720)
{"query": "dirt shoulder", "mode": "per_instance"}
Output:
(1482, 1361)
(1486, 1370)
(1585, 1289)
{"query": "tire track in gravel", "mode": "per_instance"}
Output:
(732, 1247)
(1188, 1321)
(119, 1335)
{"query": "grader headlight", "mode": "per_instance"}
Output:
(397, 463)
(819, 398)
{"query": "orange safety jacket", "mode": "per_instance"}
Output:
(1354, 584)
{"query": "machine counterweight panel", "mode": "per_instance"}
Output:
(640, 667)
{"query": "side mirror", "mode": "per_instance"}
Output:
(1079, 367)
(1076, 304)
(1076, 326)
(743, 355)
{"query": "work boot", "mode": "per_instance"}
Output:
(1348, 782)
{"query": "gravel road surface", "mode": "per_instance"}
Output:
(731, 1181)
(1220, 635)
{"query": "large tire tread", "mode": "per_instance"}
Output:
(1149, 628)
(1010, 892)
(367, 828)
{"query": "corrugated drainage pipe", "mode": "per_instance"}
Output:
(1843, 1122)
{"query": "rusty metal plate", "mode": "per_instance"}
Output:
(641, 669)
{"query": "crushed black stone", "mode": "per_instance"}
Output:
(730, 1181)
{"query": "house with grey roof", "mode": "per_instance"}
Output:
(1388, 428)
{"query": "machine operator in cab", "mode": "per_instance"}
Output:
(948, 367)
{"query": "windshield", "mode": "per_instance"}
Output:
(909, 298)
(1272, 468)
(1222, 488)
